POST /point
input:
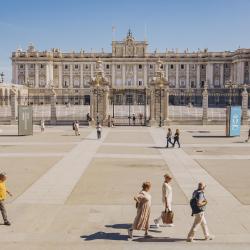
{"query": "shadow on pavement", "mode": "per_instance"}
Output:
(159, 239)
(119, 226)
(104, 236)
(10, 135)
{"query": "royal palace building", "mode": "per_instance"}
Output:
(130, 66)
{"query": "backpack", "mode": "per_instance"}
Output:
(193, 204)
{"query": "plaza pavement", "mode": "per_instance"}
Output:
(77, 192)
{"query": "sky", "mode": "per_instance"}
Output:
(218, 25)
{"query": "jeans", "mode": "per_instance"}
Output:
(176, 140)
(169, 141)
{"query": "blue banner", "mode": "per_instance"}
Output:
(235, 121)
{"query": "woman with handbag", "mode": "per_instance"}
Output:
(167, 196)
(143, 205)
(177, 137)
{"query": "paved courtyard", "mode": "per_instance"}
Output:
(77, 192)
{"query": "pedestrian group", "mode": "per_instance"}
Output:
(198, 204)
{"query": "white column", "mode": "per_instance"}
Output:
(36, 75)
(145, 75)
(209, 74)
(222, 75)
(166, 71)
(177, 76)
(81, 75)
(187, 76)
(71, 75)
(49, 73)
(60, 76)
(26, 72)
(123, 74)
(135, 75)
(198, 76)
(113, 75)
(242, 69)
(16, 74)
(92, 70)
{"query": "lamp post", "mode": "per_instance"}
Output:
(231, 85)
(97, 81)
(160, 82)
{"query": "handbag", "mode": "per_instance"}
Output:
(167, 217)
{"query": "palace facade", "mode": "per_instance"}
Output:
(129, 65)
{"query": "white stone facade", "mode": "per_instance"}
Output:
(130, 66)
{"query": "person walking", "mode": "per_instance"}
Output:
(169, 136)
(177, 137)
(143, 205)
(99, 130)
(248, 137)
(42, 125)
(198, 205)
(167, 196)
(3, 195)
(76, 125)
(133, 118)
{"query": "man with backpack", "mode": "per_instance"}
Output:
(198, 205)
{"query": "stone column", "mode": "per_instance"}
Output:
(81, 75)
(113, 75)
(71, 76)
(209, 74)
(123, 75)
(222, 75)
(91, 70)
(60, 76)
(204, 107)
(36, 75)
(245, 106)
(166, 107)
(187, 76)
(53, 117)
(26, 73)
(105, 105)
(145, 75)
(152, 121)
(198, 76)
(166, 71)
(13, 106)
(14, 72)
(92, 106)
(177, 76)
(135, 75)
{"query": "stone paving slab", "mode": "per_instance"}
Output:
(107, 149)
(23, 172)
(116, 181)
(55, 186)
(237, 182)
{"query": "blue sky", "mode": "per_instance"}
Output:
(72, 25)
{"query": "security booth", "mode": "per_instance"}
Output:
(233, 120)
(25, 120)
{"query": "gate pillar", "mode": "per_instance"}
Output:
(245, 106)
(204, 106)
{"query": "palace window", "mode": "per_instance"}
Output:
(55, 66)
(41, 66)
(140, 66)
(107, 66)
(76, 66)
(118, 66)
(246, 64)
(32, 66)
(182, 66)
(151, 66)
(193, 85)
(171, 66)
(86, 66)
(203, 66)
(21, 66)
(162, 66)
(140, 83)
(182, 83)
(66, 66)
